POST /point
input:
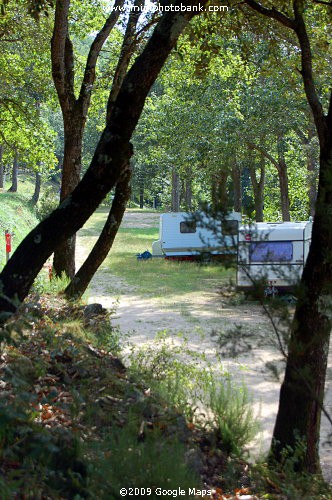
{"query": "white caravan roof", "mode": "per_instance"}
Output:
(276, 231)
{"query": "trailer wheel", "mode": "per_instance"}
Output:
(205, 258)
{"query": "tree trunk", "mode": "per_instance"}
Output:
(98, 254)
(302, 392)
(64, 255)
(104, 243)
(283, 181)
(312, 179)
(13, 187)
(74, 110)
(35, 196)
(175, 191)
(2, 180)
(219, 191)
(258, 188)
(108, 165)
(188, 194)
(236, 177)
(141, 196)
(301, 395)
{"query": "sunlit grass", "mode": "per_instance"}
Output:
(16, 215)
(155, 277)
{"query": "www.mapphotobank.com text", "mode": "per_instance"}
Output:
(172, 8)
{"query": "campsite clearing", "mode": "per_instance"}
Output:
(197, 302)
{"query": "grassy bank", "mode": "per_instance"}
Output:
(16, 215)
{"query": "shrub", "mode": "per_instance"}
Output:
(48, 202)
(190, 383)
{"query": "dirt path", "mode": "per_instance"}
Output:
(199, 317)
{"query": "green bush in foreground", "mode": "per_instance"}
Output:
(154, 462)
(190, 383)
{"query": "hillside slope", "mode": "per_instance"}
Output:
(16, 215)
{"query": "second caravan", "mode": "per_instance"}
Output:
(272, 253)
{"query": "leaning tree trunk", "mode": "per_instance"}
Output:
(35, 196)
(74, 110)
(98, 254)
(13, 187)
(107, 167)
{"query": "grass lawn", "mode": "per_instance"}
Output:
(155, 277)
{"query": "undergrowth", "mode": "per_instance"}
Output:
(75, 423)
(205, 393)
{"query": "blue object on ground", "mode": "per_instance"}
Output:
(144, 256)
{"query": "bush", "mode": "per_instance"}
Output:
(186, 380)
(48, 202)
(155, 462)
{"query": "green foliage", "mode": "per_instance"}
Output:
(47, 203)
(189, 382)
(44, 285)
(285, 479)
(231, 407)
(156, 461)
(17, 216)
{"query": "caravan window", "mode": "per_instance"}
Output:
(188, 227)
(271, 251)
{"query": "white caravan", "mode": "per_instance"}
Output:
(272, 253)
(184, 235)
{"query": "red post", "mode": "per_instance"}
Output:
(8, 238)
(50, 272)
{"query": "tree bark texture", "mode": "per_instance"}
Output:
(188, 193)
(175, 207)
(283, 181)
(302, 391)
(13, 187)
(236, 177)
(98, 254)
(74, 111)
(219, 190)
(35, 196)
(108, 165)
(258, 188)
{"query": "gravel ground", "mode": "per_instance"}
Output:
(141, 318)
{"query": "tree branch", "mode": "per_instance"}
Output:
(96, 46)
(58, 51)
(298, 26)
(307, 72)
(272, 13)
(267, 155)
(329, 4)
(127, 50)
